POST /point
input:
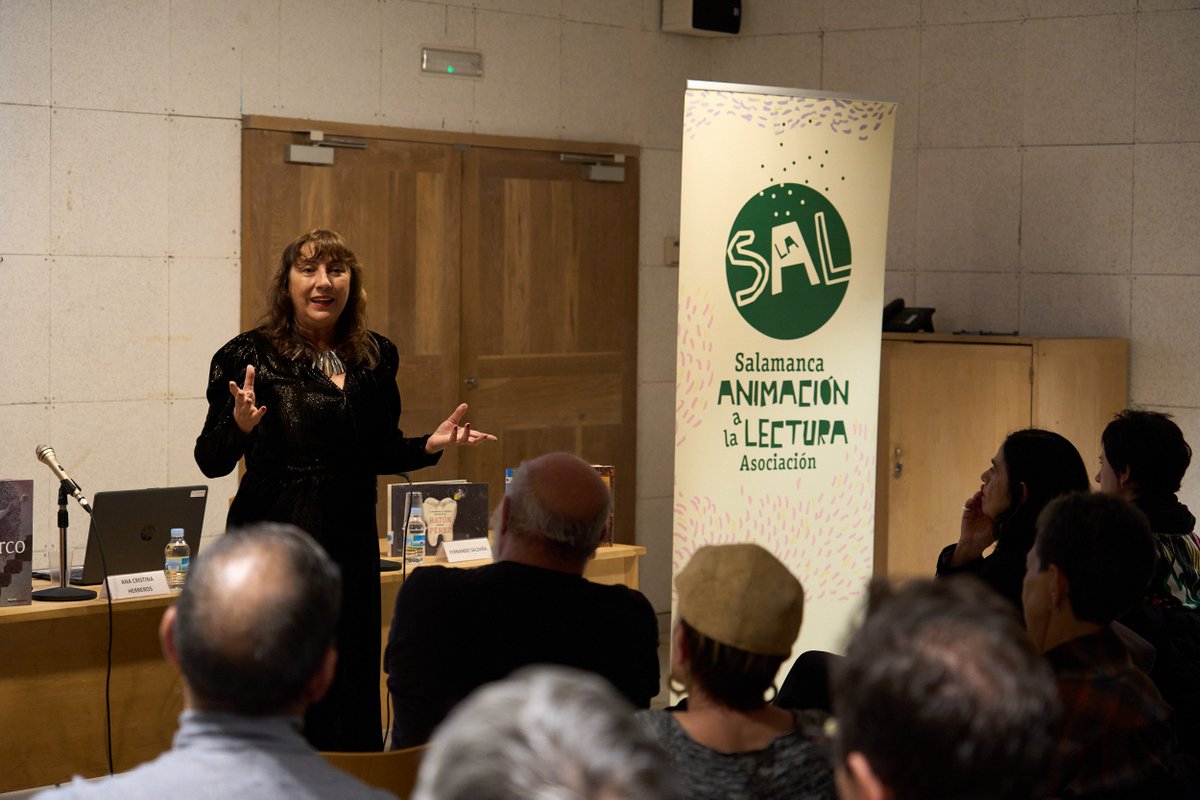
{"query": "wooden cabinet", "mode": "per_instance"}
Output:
(945, 405)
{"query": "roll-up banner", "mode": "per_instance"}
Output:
(783, 229)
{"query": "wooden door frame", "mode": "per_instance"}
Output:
(361, 131)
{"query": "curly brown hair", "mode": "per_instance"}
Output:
(353, 342)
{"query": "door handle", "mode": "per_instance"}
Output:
(470, 382)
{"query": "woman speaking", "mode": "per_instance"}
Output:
(309, 398)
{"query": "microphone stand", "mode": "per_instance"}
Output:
(63, 592)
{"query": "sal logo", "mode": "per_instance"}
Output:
(787, 261)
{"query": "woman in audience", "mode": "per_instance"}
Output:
(1143, 459)
(1030, 469)
(739, 614)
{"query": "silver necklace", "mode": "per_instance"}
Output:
(328, 362)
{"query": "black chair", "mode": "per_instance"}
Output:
(807, 682)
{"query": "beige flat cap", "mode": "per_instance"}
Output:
(741, 596)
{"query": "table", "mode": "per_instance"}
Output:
(52, 670)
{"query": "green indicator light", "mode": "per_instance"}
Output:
(450, 69)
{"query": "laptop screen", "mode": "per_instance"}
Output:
(132, 528)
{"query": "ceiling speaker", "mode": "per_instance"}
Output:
(702, 17)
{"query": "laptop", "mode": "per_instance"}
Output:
(134, 525)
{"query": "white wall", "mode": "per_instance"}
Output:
(1047, 179)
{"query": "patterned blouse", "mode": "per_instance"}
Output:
(794, 766)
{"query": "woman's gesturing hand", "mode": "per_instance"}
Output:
(245, 413)
(451, 434)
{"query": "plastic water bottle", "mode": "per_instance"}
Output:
(178, 558)
(414, 541)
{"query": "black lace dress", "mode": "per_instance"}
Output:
(313, 461)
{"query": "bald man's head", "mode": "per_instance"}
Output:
(560, 499)
(256, 619)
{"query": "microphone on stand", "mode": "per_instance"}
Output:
(66, 486)
(45, 454)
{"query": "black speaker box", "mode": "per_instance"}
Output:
(702, 17)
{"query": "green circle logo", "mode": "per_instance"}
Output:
(787, 261)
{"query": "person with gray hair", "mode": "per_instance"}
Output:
(454, 630)
(253, 633)
(942, 695)
(544, 733)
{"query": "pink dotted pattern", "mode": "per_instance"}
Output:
(824, 540)
(694, 367)
(855, 118)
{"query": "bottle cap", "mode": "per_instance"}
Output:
(176, 533)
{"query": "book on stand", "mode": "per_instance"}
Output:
(453, 510)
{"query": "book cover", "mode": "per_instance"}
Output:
(453, 510)
(16, 543)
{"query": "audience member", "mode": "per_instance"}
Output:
(1093, 559)
(1030, 469)
(1143, 459)
(941, 695)
(253, 634)
(455, 630)
(739, 614)
(544, 732)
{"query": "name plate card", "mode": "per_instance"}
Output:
(137, 584)
(467, 550)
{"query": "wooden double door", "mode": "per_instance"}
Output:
(506, 278)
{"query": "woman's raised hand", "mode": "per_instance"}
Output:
(976, 532)
(245, 413)
(451, 434)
